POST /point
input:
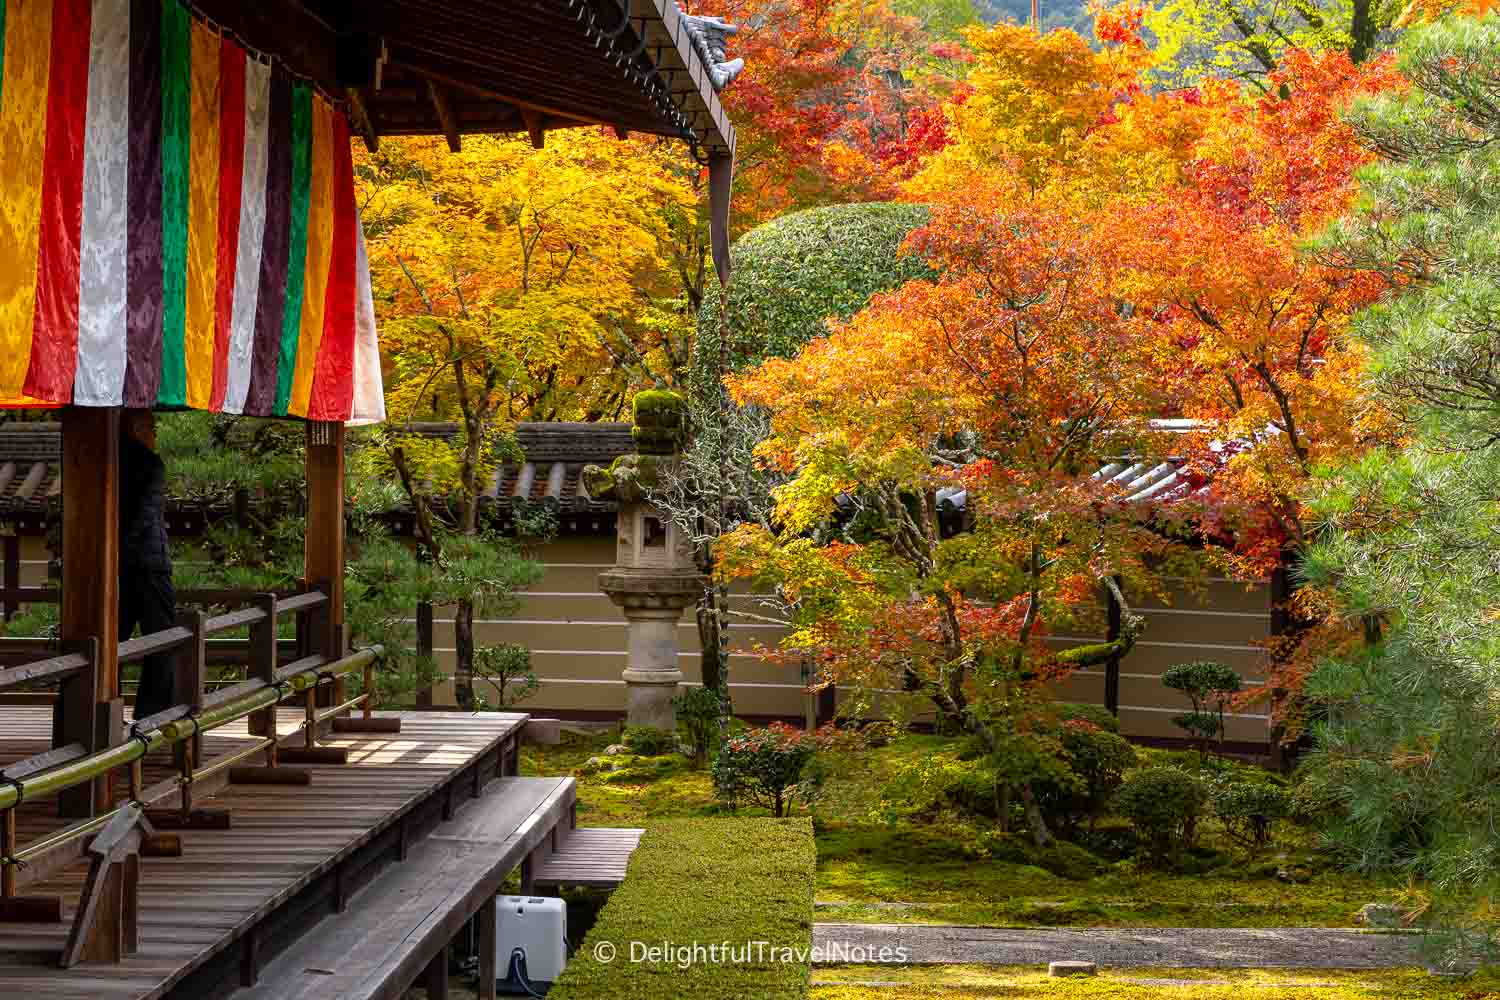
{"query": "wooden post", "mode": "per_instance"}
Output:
(435, 978)
(90, 581)
(323, 545)
(323, 549)
(12, 567)
(486, 935)
(262, 663)
(190, 675)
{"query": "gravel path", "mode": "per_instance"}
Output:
(1181, 947)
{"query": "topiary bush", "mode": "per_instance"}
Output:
(794, 272)
(765, 767)
(1210, 685)
(698, 710)
(1164, 805)
(1250, 810)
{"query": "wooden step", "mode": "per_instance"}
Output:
(401, 924)
(591, 856)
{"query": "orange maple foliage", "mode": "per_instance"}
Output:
(1009, 376)
(1252, 329)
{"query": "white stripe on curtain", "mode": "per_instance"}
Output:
(369, 389)
(252, 233)
(100, 375)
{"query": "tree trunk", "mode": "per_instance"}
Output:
(463, 654)
(1038, 826)
(708, 640)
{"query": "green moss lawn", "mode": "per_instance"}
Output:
(876, 851)
(970, 982)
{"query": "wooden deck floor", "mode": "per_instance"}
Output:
(282, 838)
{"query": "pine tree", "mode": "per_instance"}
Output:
(1410, 539)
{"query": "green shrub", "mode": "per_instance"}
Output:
(1098, 715)
(698, 710)
(765, 767)
(794, 272)
(705, 880)
(648, 741)
(1164, 805)
(1210, 686)
(1249, 811)
(1098, 760)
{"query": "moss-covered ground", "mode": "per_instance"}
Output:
(880, 861)
(970, 982)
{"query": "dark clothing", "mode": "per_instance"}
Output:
(148, 600)
(146, 595)
(143, 524)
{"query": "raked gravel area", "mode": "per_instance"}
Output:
(1180, 947)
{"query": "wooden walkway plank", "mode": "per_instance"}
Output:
(590, 856)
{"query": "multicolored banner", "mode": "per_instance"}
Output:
(177, 222)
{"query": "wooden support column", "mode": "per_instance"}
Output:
(90, 584)
(323, 550)
(12, 566)
(435, 977)
(486, 934)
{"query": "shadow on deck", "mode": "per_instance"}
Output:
(211, 918)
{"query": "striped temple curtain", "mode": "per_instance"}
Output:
(178, 224)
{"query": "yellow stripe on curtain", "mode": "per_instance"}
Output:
(319, 247)
(203, 218)
(23, 144)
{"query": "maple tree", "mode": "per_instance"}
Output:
(1202, 40)
(1007, 377)
(1252, 330)
(507, 280)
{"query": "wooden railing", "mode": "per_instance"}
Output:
(93, 757)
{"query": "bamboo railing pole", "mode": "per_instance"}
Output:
(104, 761)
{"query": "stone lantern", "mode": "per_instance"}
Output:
(654, 577)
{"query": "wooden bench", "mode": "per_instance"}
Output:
(398, 929)
(596, 857)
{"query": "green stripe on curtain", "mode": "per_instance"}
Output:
(177, 117)
(296, 265)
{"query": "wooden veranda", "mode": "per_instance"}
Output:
(210, 918)
(182, 232)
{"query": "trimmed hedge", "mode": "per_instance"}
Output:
(708, 881)
(794, 272)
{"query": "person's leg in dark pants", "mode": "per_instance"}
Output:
(155, 606)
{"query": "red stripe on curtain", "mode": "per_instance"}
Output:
(54, 334)
(231, 178)
(333, 379)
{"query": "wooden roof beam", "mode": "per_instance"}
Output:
(446, 117)
(363, 119)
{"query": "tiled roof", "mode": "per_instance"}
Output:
(552, 475)
(29, 465)
(556, 453)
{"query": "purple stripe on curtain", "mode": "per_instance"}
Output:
(144, 267)
(271, 298)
